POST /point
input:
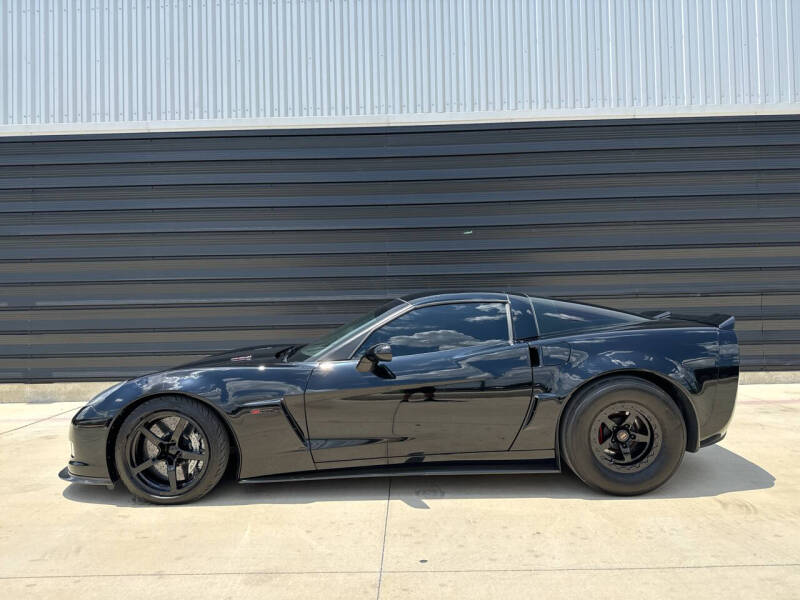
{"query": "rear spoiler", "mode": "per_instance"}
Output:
(718, 320)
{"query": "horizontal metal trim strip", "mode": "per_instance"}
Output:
(689, 121)
(349, 177)
(768, 300)
(452, 222)
(168, 296)
(172, 328)
(423, 254)
(598, 135)
(74, 154)
(329, 273)
(243, 197)
(72, 255)
(780, 201)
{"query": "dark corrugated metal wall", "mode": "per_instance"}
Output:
(124, 254)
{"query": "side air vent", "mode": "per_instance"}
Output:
(534, 351)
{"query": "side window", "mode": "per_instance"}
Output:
(443, 327)
(557, 318)
(522, 318)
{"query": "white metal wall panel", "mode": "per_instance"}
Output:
(122, 64)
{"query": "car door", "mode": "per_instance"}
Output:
(456, 385)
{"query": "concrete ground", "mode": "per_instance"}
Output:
(727, 525)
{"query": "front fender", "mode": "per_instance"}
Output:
(262, 408)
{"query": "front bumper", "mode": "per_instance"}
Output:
(88, 461)
(66, 475)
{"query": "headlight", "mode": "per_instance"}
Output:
(105, 394)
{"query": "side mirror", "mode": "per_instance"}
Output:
(380, 353)
(377, 354)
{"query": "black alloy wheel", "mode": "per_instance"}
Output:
(171, 449)
(623, 435)
(167, 453)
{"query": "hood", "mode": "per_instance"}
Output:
(244, 357)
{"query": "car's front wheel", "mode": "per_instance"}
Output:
(623, 435)
(171, 450)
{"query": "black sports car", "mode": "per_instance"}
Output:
(448, 383)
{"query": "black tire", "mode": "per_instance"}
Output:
(633, 410)
(162, 465)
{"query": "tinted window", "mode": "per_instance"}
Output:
(334, 336)
(443, 327)
(556, 318)
(522, 318)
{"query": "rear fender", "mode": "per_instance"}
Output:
(683, 362)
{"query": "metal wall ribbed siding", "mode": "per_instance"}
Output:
(197, 62)
(123, 254)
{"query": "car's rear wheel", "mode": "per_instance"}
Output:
(623, 435)
(171, 450)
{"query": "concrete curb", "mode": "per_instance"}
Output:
(43, 393)
(750, 377)
(83, 391)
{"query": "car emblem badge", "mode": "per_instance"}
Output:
(242, 358)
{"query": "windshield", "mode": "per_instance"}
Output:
(362, 322)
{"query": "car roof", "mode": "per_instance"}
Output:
(455, 296)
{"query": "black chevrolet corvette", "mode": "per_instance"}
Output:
(447, 383)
